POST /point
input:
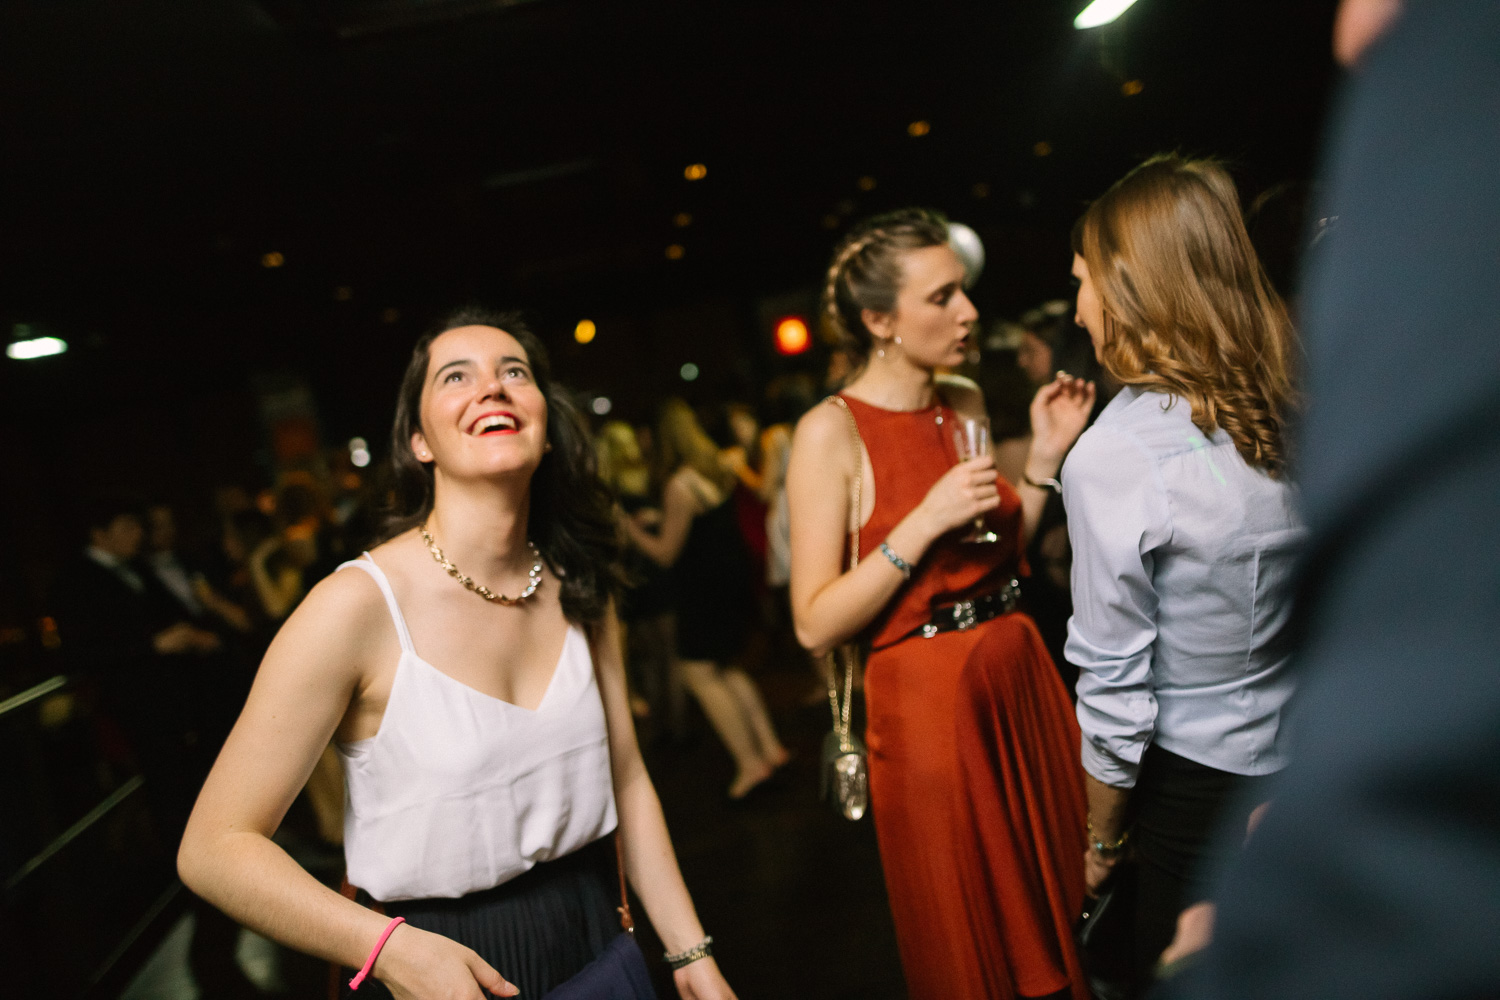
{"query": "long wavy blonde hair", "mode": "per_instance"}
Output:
(681, 440)
(621, 465)
(1188, 309)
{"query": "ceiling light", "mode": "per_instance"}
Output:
(675, 251)
(1132, 87)
(695, 172)
(272, 259)
(866, 183)
(1101, 12)
(689, 372)
(30, 348)
(682, 220)
(585, 330)
(601, 405)
(918, 128)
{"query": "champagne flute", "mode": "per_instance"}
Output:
(971, 438)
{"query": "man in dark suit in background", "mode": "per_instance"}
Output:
(1376, 871)
(110, 618)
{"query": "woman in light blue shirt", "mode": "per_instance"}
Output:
(1183, 525)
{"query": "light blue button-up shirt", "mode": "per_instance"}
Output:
(1182, 568)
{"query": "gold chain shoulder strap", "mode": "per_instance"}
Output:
(849, 651)
(854, 487)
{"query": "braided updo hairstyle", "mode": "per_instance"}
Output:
(866, 271)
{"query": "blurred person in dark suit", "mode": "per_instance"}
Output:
(1376, 869)
(183, 580)
(113, 629)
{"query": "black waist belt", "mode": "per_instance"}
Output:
(964, 615)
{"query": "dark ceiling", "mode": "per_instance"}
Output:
(533, 154)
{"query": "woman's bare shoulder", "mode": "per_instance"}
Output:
(345, 614)
(821, 428)
(963, 394)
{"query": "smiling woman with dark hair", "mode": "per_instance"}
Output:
(470, 675)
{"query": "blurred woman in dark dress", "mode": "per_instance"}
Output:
(646, 609)
(711, 567)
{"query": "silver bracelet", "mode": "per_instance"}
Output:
(702, 949)
(1045, 484)
(896, 561)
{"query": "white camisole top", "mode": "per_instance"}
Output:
(459, 791)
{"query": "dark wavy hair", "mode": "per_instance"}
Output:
(570, 517)
(1188, 309)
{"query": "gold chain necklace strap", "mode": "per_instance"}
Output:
(841, 706)
(534, 577)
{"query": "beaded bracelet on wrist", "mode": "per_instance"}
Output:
(896, 560)
(1105, 851)
(702, 949)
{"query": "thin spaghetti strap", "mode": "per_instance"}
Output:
(369, 565)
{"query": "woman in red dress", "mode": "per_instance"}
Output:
(975, 789)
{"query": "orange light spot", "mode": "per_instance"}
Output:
(792, 336)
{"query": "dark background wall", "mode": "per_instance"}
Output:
(401, 160)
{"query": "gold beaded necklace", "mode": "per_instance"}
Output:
(534, 576)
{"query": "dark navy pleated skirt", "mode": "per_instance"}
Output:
(537, 930)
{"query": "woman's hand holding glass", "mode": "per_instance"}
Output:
(419, 965)
(964, 493)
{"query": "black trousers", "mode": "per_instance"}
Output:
(1178, 805)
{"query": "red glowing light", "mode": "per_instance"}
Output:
(792, 336)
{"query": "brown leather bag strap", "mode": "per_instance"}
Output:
(627, 922)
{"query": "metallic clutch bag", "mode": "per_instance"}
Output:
(845, 766)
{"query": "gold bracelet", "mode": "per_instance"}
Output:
(1104, 850)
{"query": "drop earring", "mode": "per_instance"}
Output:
(898, 339)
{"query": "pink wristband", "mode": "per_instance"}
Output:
(374, 953)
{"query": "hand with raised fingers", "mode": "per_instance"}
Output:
(1059, 412)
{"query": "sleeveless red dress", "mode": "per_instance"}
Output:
(975, 781)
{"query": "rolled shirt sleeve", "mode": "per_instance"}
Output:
(1117, 516)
